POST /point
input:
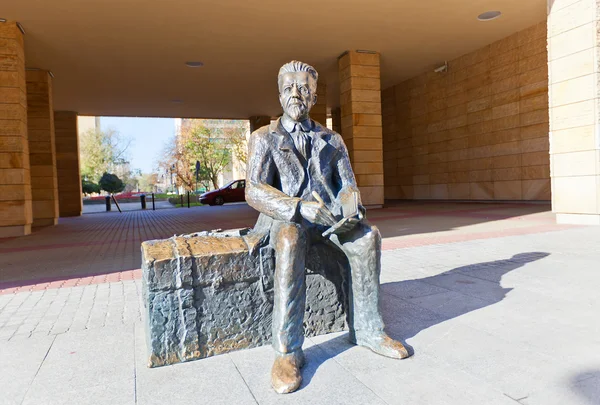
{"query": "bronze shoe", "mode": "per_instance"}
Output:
(380, 343)
(285, 374)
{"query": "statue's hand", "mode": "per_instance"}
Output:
(316, 213)
(349, 224)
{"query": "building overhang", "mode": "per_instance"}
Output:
(128, 57)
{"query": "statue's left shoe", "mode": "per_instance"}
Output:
(380, 343)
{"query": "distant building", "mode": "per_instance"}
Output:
(86, 123)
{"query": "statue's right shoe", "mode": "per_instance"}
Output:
(285, 374)
(380, 343)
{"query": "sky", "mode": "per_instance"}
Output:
(149, 136)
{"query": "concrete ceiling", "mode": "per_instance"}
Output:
(126, 57)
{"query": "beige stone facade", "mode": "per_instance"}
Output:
(319, 110)
(573, 60)
(515, 120)
(42, 148)
(476, 132)
(360, 100)
(67, 163)
(15, 177)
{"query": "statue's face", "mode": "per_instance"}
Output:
(296, 95)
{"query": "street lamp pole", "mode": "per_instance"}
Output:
(172, 182)
(197, 174)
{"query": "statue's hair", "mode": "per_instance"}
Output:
(297, 66)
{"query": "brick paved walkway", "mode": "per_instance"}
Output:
(499, 303)
(103, 248)
(84, 273)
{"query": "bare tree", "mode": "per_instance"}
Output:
(101, 152)
(214, 143)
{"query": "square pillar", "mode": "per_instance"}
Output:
(67, 163)
(42, 153)
(360, 101)
(574, 102)
(319, 110)
(15, 179)
(258, 121)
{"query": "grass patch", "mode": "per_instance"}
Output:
(192, 204)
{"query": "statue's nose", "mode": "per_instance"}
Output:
(295, 91)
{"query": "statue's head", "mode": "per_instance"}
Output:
(297, 89)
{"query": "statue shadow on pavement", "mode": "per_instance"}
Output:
(412, 306)
(585, 385)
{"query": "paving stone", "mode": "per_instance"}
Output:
(410, 288)
(214, 380)
(515, 369)
(119, 392)
(534, 337)
(94, 366)
(450, 304)
(325, 381)
(569, 391)
(421, 379)
(20, 362)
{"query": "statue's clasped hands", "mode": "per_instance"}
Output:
(318, 213)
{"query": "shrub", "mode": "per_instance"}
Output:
(89, 187)
(111, 183)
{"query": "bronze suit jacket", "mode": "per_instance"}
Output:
(277, 176)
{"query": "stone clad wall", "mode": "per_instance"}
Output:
(319, 110)
(574, 55)
(212, 293)
(67, 163)
(478, 131)
(360, 120)
(42, 148)
(15, 177)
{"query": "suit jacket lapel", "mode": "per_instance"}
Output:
(287, 149)
(322, 150)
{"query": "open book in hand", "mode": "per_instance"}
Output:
(349, 211)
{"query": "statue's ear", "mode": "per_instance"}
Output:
(315, 99)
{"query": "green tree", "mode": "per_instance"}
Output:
(102, 152)
(147, 181)
(214, 143)
(211, 149)
(89, 187)
(111, 183)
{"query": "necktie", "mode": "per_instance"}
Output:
(302, 140)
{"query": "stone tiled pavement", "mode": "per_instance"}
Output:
(500, 305)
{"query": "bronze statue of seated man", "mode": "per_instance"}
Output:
(300, 179)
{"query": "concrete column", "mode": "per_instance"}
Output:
(42, 153)
(319, 111)
(336, 120)
(15, 179)
(574, 101)
(258, 121)
(67, 163)
(360, 101)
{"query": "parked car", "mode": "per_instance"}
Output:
(233, 191)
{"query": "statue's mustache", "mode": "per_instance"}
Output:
(295, 101)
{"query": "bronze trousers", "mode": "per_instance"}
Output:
(291, 241)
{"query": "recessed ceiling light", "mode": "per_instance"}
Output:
(2, 19)
(489, 15)
(194, 64)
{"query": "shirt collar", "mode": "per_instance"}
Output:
(290, 125)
